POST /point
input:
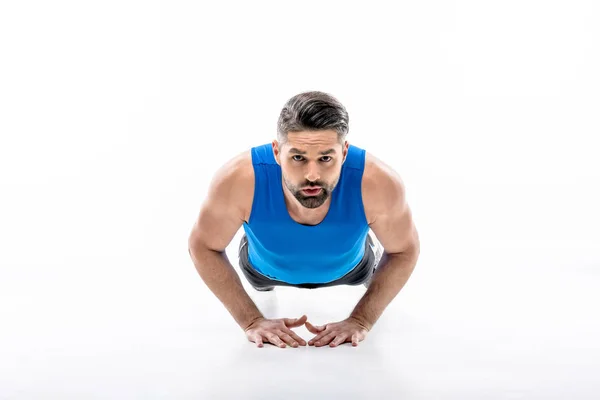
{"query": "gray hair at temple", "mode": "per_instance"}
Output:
(312, 111)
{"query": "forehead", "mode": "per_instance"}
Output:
(313, 141)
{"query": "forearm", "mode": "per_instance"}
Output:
(388, 279)
(222, 279)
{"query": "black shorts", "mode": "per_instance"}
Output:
(362, 273)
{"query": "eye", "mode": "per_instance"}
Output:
(295, 159)
(327, 157)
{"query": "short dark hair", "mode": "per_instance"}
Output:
(312, 111)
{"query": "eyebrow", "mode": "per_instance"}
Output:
(297, 151)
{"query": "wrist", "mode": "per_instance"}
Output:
(361, 321)
(249, 324)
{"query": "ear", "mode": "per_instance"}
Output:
(345, 150)
(276, 151)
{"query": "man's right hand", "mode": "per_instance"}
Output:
(276, 331)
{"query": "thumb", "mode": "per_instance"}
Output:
(314, 329)
(294, 322)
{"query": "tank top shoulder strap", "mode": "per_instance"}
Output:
(263, 154)
(355, 158)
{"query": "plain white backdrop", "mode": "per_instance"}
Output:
(114, 115)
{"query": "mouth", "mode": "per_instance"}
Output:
(311, 192)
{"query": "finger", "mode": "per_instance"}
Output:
(294, 322)
(339, 339)
(355, 339)
(318, 328)
(287, 339)
(325, 339)
(317, 338)
(297, 338)
(314, 329)
(311, 328)
(274, 339)
(258, 341)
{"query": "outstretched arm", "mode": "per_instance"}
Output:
(220, 217)
(391, 221)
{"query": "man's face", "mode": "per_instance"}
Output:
(311, 159)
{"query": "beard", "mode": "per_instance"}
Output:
(309, 201)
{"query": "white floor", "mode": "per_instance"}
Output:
(483, 317)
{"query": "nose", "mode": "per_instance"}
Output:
(312, 172)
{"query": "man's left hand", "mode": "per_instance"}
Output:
(348, 330)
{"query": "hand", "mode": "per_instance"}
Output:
(348, 330)
(276, 331)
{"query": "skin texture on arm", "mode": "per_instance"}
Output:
(386, 208)
(221, 216)
(390, 218)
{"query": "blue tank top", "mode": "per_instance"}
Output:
(285, 250)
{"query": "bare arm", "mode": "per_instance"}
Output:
(390, 218)
(221, 216)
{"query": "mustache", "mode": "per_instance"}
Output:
(310, 184)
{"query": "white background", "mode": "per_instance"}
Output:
(114, 115)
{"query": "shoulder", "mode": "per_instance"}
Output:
(382, 187)
(233, 183)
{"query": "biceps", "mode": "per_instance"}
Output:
(396, 230)
(216, 226)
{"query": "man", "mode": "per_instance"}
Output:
(306, 202)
